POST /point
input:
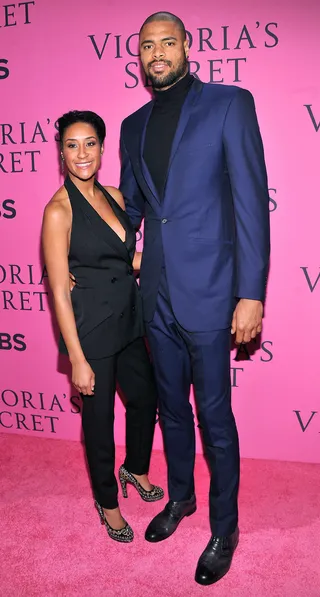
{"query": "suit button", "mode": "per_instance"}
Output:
(121, 315)
(164, 220)
(133, 308)
(113, 280)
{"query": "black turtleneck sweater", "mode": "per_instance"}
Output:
(161, 129)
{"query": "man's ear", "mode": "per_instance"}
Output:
(186, 48)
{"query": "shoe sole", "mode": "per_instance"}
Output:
(158, 540)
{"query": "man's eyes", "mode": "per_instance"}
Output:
(167, 43)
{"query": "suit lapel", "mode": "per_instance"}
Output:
(143, 165)
(185, 114)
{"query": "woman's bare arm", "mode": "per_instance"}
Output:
(55, 234)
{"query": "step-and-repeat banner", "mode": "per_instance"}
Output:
(63, 55)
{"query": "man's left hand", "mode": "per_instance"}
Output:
(247, 320)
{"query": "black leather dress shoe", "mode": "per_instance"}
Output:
(216, 559)
(165, 523)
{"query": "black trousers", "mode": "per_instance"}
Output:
(182, 358)
(131, 369)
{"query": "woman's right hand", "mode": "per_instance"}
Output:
(83, 378)
(137, 261)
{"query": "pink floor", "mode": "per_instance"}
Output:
(52, 544)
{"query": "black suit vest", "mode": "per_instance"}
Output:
(106, 298)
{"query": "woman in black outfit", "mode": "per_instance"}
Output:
(89, 247)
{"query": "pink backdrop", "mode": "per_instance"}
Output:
(57, 56)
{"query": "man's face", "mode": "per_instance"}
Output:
(163, 53)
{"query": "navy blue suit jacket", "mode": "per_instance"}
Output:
(211, 228)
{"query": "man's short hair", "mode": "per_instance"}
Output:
(165, 16)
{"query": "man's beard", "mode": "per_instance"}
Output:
(171, 78)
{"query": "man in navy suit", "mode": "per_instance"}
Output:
(193, 167)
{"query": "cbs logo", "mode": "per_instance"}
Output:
(7, 209)
(15, 342)
(4, 71)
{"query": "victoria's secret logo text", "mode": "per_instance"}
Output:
(22, 135)
(216, 42)
(315, 124)
(14, 296)
(244, 353)
(305, 420)
(311, 281)
(38, 411)
(12, 15)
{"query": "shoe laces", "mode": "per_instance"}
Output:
(217, 546)
(173, 507)
(216, 543)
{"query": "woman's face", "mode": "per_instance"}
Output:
(81, 150)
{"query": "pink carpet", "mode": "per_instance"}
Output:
(52, 544)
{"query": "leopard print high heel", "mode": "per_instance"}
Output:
(155, 494)
(124, 535)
